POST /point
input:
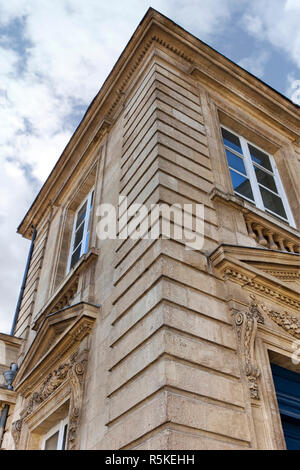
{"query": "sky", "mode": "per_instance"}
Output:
(54, 57)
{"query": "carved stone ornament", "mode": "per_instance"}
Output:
(289, 323)
(50, 384)
(76, 377)
(72, 372)
(246, 326)
(16, 431)
(260, 287)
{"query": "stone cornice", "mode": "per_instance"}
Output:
(10, 340)
(226, 261)
(28, 375)
(7, 397)
(284, 275)
(157, 30)
(224, 73)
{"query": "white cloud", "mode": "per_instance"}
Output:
(204, 19)
(293, 88)
(256, 63)
(15, 193)
(292, 5)
(277, 22)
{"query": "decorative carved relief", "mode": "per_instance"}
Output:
(70, 372)
(260, 286)
(246, 326)
(76, 377)
(67, 296)
(16, 428)
(284, 275)
(50, 384)
(288, 322)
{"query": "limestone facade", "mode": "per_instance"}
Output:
(144, 344)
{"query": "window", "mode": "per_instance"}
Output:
(55, 439)
(81, 231)
(287, 386)
(255, 177)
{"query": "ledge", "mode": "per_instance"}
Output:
(248, 209)
(232, 262)
(8, 397)
(58, 335)
(66, 289)
(11, 340)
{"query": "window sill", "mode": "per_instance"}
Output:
(246, 207)
(269, 229)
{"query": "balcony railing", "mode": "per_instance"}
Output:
(270, 236)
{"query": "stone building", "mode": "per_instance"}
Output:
(136, 343)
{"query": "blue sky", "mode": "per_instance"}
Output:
(54, 57)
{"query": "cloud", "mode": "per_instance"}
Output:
(256, 63)
(293, 88)
(205, 19)
(277, 22)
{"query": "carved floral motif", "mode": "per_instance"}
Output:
(289, 323)
(71, 371)
(50, 384)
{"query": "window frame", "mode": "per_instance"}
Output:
(59, 427)
(86, 228)
(255, 185)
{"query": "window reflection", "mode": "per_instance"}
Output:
(241, 185)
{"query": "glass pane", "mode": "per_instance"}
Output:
(81, 215)
(75, 256)
(78, 236)
(235, 162)
(64, 437)
(86, 242)
(92, 198)
(241, 185)
(260, 157)
(231, 140)
(51, 443)
(272, 202)
(266, 179)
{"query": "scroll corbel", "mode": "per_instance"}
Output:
(246, 327)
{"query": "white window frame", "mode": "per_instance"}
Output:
(60, 428)
(250, 171)
(86, 200)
